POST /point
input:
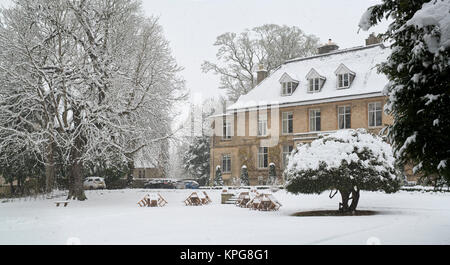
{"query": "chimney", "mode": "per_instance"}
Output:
(261, 74)
(372, 39)
(328, 47)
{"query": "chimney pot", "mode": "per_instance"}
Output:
(261, 74)
(328, 47)
(372, 39)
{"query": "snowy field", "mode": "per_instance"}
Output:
(113, 217)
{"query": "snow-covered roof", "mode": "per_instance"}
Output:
(361, 61)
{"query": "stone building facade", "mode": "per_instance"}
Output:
(301, 99)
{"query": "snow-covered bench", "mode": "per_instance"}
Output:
(152, 200)
(193, 199)
(61, 202)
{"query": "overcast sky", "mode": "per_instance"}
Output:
(192, 26)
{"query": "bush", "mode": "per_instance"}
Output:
(347, 161)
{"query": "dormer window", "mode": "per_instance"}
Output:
(343, 80)
(288, 88)
(315, 81)
(344, 77)
(288, 85)
(314, 85)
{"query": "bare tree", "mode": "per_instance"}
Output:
(270, 45)
(99, 76)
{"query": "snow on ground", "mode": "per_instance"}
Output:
(113, 217)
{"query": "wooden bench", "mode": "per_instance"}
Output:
(62, 202)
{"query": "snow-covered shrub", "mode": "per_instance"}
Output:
(272, 179)
(218, 181)
(346, 161)
(244, 176)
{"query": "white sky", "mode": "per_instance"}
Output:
(192, 26)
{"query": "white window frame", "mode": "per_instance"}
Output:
(312, 120)
(226, 163)
(342, 77)
(263, 156)
(286, 153)
(375, 111)
(287, 88)
(285, 122)
(226, 129)
(345, 108)
(314, 85)
(262, 124)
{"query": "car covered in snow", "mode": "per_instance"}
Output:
(93, 183)
(187, 184)
(160, 184)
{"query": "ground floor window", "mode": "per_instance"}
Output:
(375, 114)
(226, 163)
(314, 120)
(287, 149)
(344, 117)
(263, 157)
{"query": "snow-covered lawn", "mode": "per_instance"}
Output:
(113, 217)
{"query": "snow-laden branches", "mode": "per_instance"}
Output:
(240, 54)
(347, 160)
(94, 78)
(419, 79)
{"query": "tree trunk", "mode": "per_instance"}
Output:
(343, 206)
(76, 191)
(49, 169)
(355, 200)
(13, 191)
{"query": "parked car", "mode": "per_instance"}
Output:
(160, 184)
(180, 184)
(187, 184)
(93, 183)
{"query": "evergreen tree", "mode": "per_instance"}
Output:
(272, 174)
(218, 181)
(244, 176)
(347, 161)
(419, 87)
(196, 160)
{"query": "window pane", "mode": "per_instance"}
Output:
(265, 157)
(371, 119)
(224, 166)
(318, 123)
(290, 125)
(378, 114)
(341, 121)
(347, 120)
(375, 114)
(262, 157)
(314, 120)
(287, 122)
(311, 121)
(262, 125)
(344, 117)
